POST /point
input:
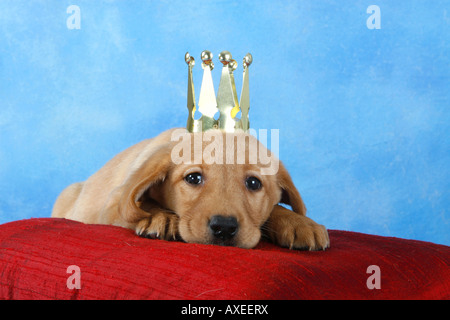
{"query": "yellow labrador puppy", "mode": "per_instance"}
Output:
(218, 191)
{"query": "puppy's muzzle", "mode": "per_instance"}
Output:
(223, 229)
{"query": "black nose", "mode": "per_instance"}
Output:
(223, 228)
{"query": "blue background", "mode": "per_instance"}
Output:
(363, 114)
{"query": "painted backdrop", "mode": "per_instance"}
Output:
(360, 91)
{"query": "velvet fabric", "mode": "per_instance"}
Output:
(114, 263)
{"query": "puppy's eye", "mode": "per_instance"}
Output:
(194, 178)
(253, 184)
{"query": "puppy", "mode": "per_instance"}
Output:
(225, 198)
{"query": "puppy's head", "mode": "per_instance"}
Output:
(218, 184)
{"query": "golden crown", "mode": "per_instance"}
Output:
(226, 103)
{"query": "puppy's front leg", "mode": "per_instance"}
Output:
(295, 231)
(158, 224)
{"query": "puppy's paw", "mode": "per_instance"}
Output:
(295, 231)
(160, 225)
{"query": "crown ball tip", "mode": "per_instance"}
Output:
(206, 55)
(189, 59)
(248, 59)
(225, 57)
(233, 64)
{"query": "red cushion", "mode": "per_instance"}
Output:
(116, 264)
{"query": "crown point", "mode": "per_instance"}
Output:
(225, 57)
(248, 59)
(189, 59)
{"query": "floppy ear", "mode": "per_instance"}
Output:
(289, 193)
(153, 171)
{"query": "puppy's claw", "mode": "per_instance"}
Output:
(152, 235)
